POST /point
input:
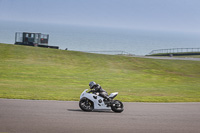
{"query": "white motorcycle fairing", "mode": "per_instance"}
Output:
(97, 100)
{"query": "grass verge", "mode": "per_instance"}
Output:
(51, 74)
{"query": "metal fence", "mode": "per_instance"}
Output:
(174, 50)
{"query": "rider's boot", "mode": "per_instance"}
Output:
(107, 101)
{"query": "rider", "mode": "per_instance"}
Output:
(97, 88)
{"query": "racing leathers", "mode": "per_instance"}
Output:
(98, 89)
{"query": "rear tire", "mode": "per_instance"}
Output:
(117, 106)
(86, 105)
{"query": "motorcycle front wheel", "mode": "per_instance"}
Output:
(86, 105)
(117, 106)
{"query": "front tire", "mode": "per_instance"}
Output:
(86, 105)
(117, 106)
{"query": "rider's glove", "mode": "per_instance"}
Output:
(91, 91)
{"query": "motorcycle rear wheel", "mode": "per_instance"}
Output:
(117, 106)
(86, 105)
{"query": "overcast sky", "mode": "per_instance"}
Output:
(172, 15)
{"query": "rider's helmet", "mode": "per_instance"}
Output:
(92, 84)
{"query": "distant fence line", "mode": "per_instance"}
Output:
(109, 52)
(174, 50)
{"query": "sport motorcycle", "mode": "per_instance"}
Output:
(92, 101)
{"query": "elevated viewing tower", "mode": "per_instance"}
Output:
(33, 39)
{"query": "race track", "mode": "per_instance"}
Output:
(170, 58)
(36, 116)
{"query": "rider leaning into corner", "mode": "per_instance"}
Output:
(96, 88)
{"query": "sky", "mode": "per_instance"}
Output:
(168, 15)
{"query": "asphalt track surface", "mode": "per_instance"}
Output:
(170, 58)
(37, 116)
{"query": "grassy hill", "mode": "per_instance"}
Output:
(41, 73)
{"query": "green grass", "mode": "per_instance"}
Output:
(51, 74)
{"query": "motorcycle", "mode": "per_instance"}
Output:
(92, 101)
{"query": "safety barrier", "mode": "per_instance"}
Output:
(175, 50)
